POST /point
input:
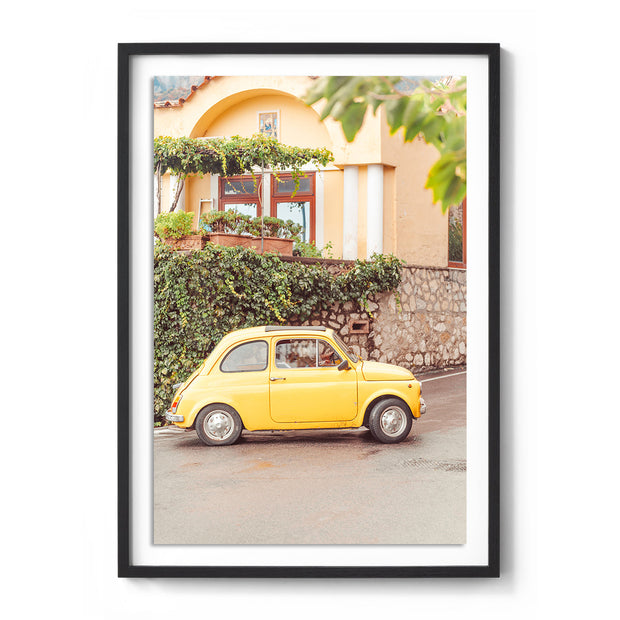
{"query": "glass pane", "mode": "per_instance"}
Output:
(286, 185)
(298, 353)
(299, 212)
(345, 348)
(247, 357)
(236, 187)
(245, 208)
(327, 355)
(455, 234)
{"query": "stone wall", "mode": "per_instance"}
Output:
(422, 327)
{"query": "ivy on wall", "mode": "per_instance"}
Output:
(201, 296)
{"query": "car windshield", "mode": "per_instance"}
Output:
(346, 349)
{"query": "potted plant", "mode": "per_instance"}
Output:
(175, 229)
(267, 234)
(278, 236)
(227, 228)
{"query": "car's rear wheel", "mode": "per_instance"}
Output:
(390, 421)
(218, 425)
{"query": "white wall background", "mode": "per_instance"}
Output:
(560, 357)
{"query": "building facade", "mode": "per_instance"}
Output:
(371, 199)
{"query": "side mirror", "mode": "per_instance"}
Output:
(344, 365)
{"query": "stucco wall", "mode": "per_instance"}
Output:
(413, 228)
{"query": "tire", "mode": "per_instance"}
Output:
(390, 421)
(218, 425)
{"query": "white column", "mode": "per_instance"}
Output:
(319, 209)
(174, 180)
(266, 194)
(349, 212)
(374, 212)
(215, 191)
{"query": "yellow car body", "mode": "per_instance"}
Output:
(283, 378)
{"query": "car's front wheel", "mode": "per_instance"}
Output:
(390, 421)
(218, 425)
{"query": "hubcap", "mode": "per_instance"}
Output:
(393, 421)
(219, 425)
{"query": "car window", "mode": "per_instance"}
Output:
(327, 355)
(346, 349)
(305, 353)
(246, 357)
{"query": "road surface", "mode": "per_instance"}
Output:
(319, 486)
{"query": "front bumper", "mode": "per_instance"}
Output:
(171, 417)
(422, 406)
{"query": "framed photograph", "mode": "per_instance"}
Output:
(308, 310)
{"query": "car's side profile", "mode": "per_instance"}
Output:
(283, 378)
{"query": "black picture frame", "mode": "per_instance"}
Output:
(129, 51)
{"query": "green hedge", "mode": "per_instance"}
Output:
(201, 296)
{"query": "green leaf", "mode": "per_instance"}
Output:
(394, 111)
(431, 128)
(448, 187)
(352, 120)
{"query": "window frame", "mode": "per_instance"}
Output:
(317, 367)
(228, 199)
(303, 196)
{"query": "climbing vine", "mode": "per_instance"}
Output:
(201, 296)
(230, 156)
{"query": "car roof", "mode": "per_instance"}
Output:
(295, 328)
(276, 329)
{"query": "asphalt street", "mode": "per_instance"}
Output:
(319, 486)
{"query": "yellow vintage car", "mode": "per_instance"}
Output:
(282, 378)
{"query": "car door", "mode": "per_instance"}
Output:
(241, 380)
(305, 384)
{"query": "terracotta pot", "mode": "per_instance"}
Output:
(187, 242)
(230, 239)
(274, 245)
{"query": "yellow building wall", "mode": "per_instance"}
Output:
(413, 227)
(390, 236)
(332, 215)
(298, 124)
(197, 189)
(419, 227)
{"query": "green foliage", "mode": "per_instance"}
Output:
(284, 229)
(224, 222)
(308, 249)
(436, 112)
(232, 156)
(174, 225)
(202, 295)
(233, 222)
(228, 157)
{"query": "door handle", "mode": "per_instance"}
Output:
(277, 378)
